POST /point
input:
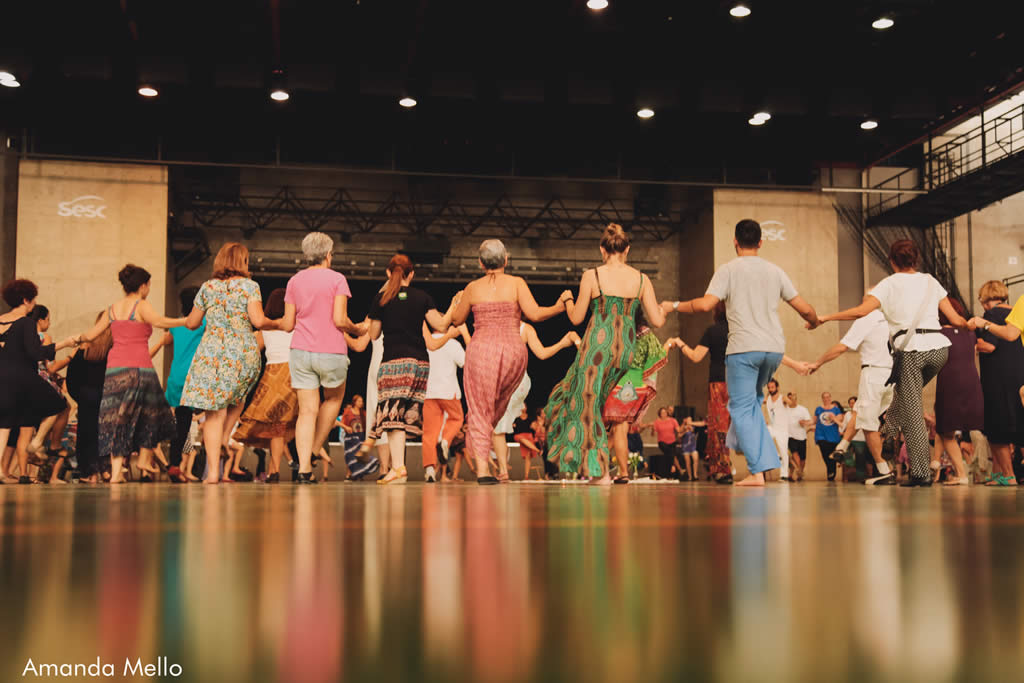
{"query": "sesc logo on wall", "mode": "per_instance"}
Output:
(773, 231)
(87, 206)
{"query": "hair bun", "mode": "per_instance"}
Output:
(615, 240)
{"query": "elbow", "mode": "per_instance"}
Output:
(191, 325)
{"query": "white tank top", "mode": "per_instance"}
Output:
(278, 345)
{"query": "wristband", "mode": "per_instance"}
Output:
(675, 306)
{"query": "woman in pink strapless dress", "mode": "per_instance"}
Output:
(134, 414)
(496, 355)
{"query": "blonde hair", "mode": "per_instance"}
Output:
(994, 290)
(232, 260)
(98, 348)
(614, 240)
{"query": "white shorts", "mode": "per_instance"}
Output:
(873, 397)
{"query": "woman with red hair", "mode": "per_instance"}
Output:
(398, 312)
(959, 402)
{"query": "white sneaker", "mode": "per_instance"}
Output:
(429, 475)
(444, 452)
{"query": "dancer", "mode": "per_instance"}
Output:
(667, 430)
(576, 433)
(134, 414)
(496, 358)
(959, 401)
(184, 342)
(1002, 377)
(870, 337)
(271, 415)
(227, 363)
(398, 313)
(27, 399)
(516, 404)
(799, 422)
(634, 393)
(52, 456)
(316, 308)
(751, 288)
(714, 341)
(778, 425)
(910, 302)
(442, 407)
(86, 374)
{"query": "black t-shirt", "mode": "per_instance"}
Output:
(716, 338)
(401, 322)
(521, 426)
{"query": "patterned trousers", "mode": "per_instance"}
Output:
(906, 413)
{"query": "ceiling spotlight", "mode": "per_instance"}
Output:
(882, 23)
(11, 83)
(756, 121)
(407, 102)
(147, 90)
(597, 4)
(740, 11)
(7, 76)
(645, 113)
(279, 95)
(763, 115)
(870, 124)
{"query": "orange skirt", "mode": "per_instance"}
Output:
(273, 411)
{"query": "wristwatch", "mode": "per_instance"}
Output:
(987, 325)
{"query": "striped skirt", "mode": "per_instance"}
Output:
(134, 413)
(273, 410)
(401, 390)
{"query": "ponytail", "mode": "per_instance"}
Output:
(400, 266)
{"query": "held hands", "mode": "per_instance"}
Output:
(574, 338)
(565, 298)
(362, 328)
(977, 323)
(816, 323)
(804, 368)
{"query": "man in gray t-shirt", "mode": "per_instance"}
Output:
(751, 289)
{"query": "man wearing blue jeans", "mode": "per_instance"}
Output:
(751, 288)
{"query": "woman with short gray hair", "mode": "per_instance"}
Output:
(316, 308)
(496, 356)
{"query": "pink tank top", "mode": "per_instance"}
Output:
(131, 342)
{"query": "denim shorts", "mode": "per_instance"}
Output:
(312, 370)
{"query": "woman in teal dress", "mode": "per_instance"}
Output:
(227, 362)
(576, 432)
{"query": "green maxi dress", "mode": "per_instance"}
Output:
(573, 413)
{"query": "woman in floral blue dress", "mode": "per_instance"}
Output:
(227, 362)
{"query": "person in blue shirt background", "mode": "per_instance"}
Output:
(184, 342)
(826, 432)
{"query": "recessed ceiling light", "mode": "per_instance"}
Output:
(763, 115)
(870, 124)
(882, 23)
(148, 91)
(756, 121)
(597, 4)
(740, 11)
(407, 102)
(7, 76)
(11, 83)
(279, 95)
(645, 113)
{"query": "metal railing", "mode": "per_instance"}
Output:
(995, 138)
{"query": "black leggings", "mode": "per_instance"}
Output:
(183, 423)
(87, 445)
(661, 465)
(827, 448)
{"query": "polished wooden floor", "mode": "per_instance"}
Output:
(251, 582)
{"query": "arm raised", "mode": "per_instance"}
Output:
(149, 315)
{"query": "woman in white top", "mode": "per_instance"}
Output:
(910, 302)
(274, 408)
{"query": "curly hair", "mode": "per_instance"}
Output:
(17, 292)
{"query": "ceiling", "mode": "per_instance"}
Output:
(534, 88)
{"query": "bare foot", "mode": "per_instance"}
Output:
(211, 481)
(606, 480)
(752, 480)
(191, 477)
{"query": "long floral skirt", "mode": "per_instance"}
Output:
(401, 390)
(134, 413)
(718, 426)
(273, 410)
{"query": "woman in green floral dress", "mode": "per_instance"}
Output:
(576, 432)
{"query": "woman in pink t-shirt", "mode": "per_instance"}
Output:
(316, 309)
(666, 429)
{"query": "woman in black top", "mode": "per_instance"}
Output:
(714, 341)
(27, 399)
(398, 312)
(86, 374)
(1002, 375)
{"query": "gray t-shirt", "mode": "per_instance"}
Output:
(751, 288)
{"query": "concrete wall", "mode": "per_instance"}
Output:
(8, 212)
(996, 239)
(74, 258)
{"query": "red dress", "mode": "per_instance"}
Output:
(495, 364)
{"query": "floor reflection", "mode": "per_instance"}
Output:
(522, 582)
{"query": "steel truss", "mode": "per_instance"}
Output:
(349, 211)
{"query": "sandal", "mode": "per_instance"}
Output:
(1001, 480)
(175, 474)
(395, 476)
(621, 480)
(487, 480)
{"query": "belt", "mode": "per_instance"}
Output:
(880, 367)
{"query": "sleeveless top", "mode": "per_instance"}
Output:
(131, 341)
